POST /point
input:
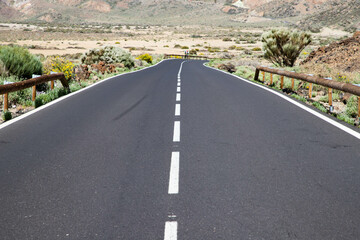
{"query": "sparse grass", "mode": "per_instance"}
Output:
(348, 115)
(327, 71)
(319, 106)
(346, 118)
(298, 97)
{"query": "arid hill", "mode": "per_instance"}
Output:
(343, 55)
(304, 13)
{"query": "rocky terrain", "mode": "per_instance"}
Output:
(343, 55)
(344, 14)
(219, 12)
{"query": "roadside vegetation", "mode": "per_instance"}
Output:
(17, 64)
(283, 49)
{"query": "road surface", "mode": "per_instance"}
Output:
(178, 151)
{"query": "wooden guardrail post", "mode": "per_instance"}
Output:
(359, 107)
(34, 92)
(330, 98)
(256, 77)
(292, 83)
(52, 85)
(281, 82)
(310, 90)
(271, 78)
(263, 73)
(6, 101)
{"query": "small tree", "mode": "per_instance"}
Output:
(283, 47)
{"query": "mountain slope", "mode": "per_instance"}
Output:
(345, 14)
(183, 12)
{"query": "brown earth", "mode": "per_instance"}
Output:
(344, 55)
(178, 12)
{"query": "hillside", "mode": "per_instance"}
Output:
(177, 12)
(344, 14)
(343, 55)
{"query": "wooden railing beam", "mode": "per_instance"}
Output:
(13, 87)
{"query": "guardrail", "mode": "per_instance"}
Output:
(167, 56)
(330, 84)
(13, 87)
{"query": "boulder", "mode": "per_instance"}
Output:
(229, 67)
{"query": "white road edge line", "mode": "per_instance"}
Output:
(319, 115)
(176, 137)
(177, 109)
(174, 173)
(178, 97)
(170, 232)
(5, 124)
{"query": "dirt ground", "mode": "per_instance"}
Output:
(139, 40)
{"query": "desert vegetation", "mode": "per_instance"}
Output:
(95, 51)
(296, 51)
(18, 64)
(283, 47)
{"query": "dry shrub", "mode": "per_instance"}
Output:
(3, 70)
(328, 71)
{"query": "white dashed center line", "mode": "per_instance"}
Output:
(171, 227)
(170, 230)
(174, 173)
(176, 137)
(177, 109)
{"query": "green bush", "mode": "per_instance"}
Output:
(19, 62)
(38, 102)
(7, 116)
(256, 49)
(61, 92)
(109, 55)
(283, 47)
(75, 87)
(146, 57)
(352, 107)
(42, 99)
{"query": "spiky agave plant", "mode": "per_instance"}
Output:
(282, 47)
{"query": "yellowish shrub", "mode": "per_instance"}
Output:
(61, 65)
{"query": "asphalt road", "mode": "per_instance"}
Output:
(149, 155)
